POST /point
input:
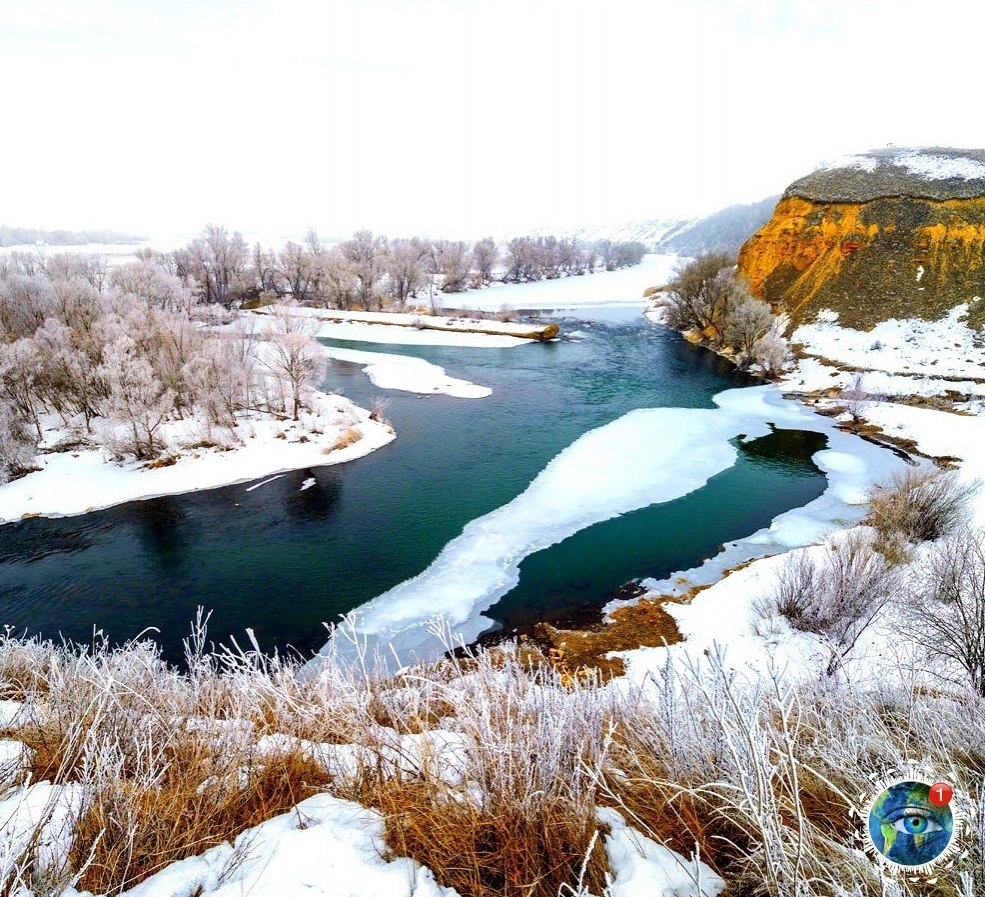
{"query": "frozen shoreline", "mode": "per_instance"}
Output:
(76, 482)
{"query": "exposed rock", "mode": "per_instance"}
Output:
(891, 233)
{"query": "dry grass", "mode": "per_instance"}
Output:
(757, 774)
(918, 505)
(349, 436)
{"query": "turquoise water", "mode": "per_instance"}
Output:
(282, 561)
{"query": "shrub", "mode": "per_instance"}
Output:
(746, 320)
(946, 610)
(919, 504)
(836, 597)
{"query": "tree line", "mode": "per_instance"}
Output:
(372, 272)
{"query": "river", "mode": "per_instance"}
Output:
(282, 560)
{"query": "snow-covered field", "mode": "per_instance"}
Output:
(896, 358)
(624, 286)
(74, 482)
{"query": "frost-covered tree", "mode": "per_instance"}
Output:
(745, 320)
(136, 398)
(25, 301)
(297, 266)
(148, 281)
(294, 357)
(17, 445)
(404, 263)
(365, 254)
(337, 282)
(454, 260)
(217, 260)
(484, 258)
(20, 369)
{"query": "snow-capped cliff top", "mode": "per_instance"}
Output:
(929, 172)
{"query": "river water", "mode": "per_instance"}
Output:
(282, 560)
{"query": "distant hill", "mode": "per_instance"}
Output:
(723, 231)
(30, 236)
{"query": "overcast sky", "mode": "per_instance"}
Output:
(458, 117)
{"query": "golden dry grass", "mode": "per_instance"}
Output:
(349, 436)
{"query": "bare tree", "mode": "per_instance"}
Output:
(295, 357)
(945, 613)
(484, 257)
(365, 253)
(699, 292)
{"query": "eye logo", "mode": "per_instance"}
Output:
(912, 824)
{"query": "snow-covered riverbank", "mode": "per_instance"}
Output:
(86, 479)
(888, 375)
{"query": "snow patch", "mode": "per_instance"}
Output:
(324, 846)
(863, 163)
(264, 483)
(76, 482)
(408, 374)
(642, 866)
(940, 168)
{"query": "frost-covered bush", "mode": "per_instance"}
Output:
(745, 322)
(771, 353)
(919, 504)
(836, 596)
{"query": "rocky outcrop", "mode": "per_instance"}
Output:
(893, 233)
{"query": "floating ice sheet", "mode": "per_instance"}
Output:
(646, 457)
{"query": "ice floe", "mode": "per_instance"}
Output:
(646, 457)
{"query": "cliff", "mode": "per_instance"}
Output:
(894, 233)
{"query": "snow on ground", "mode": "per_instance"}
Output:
(323, 846)
(641, 866)
(74, 482)
(604, 287)
(627, 464)
(410, 336)
(408, 374)
(899, 357)
(328, 846)
(910, 357)
(41, 813)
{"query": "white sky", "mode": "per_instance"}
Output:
(458, 117)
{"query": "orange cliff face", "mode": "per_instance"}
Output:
(871, 257)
